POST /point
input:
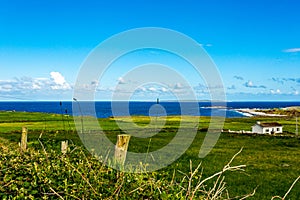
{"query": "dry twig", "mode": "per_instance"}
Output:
(282, 198)
(227, 167)
(56, 193)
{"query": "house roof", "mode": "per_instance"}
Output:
(269, 124)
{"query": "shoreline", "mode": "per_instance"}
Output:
(254, 112)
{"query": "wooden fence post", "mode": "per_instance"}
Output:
(64, 146)
(121, 148)
(24, 139)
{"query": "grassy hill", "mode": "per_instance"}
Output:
(272, 163)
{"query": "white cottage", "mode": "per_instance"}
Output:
(267, 128)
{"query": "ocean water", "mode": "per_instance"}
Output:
(103, 109)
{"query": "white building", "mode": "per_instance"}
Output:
(267, 128)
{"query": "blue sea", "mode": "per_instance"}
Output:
(104, 109)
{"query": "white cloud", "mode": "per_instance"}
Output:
(275, 91)
(58, 78)
(238, 78)
(142, 89)
(206, 45)
(36, 86)
(278, 91)
(292, 50)
(163, 89)
(179, 87)
(59, 82)
(232, 87)
(152, 89)
(95, 83)
(294, 91)
(39, 86)
(121, 80)
(284, 80)
(5, 87)
(250, 84)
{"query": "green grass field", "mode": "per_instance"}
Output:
(272, 162)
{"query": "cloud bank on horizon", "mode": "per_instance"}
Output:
(55, 87)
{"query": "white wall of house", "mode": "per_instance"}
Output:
(266, 130)
(257, 129)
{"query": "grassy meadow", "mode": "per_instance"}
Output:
(272, 162)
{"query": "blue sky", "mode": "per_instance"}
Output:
(255, 45)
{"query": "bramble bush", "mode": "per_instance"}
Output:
(49, 174)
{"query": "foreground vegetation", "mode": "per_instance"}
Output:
(272, 163)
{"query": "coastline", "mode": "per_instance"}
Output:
(255, 112)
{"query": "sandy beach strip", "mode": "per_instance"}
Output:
(255, 112)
